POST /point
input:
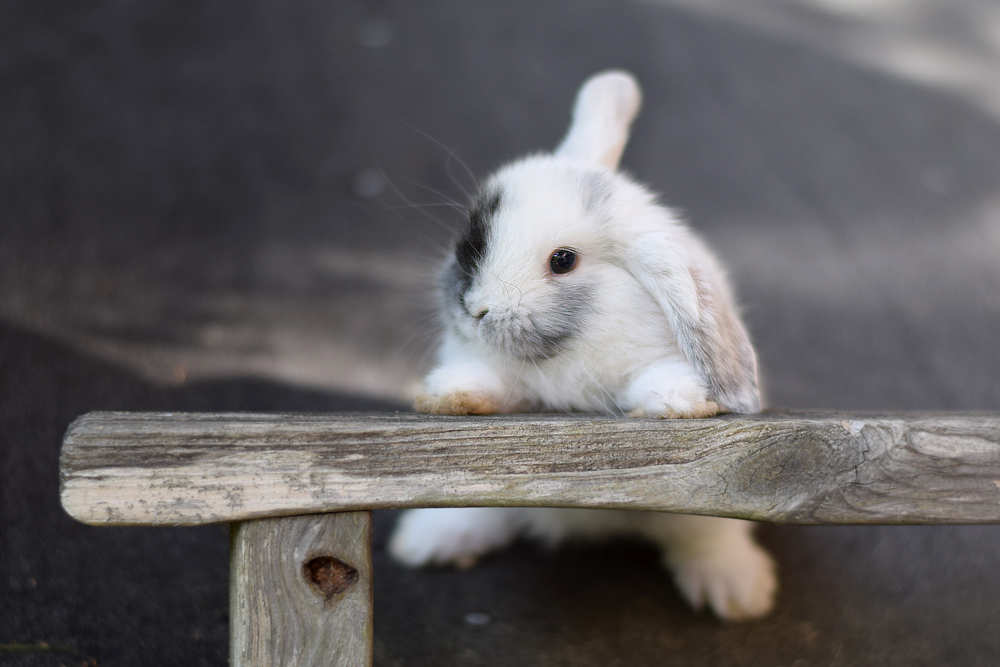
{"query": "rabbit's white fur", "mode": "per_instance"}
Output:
(642, 324)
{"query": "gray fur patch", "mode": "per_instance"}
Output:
(541, 334)
(454, 283)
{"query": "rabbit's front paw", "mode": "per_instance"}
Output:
(455, 403)
(738, 581)
(449, 536)
(669, 389)
(461, 388)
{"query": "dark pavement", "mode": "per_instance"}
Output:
(209, 208)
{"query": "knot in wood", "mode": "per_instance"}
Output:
(331, 576)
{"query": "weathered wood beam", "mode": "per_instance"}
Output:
(183, 469)
(301, 591)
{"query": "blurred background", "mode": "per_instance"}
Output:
(240, 206)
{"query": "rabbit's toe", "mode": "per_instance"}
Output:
(455, 403)
(696, 409)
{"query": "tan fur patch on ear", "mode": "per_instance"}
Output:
(458, 403)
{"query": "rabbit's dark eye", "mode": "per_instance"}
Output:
(562, 260)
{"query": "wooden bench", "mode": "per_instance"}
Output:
(299, 488)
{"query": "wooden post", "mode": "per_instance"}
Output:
(301, 591)
(301, 585)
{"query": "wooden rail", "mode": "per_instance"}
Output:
(301, 585)
(184, 469)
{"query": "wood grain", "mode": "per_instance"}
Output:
(301, 591)
(132, 468)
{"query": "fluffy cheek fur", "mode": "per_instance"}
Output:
(534, 328)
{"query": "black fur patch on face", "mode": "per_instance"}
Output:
(471, 247)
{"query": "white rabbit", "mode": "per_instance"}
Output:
(573, 289)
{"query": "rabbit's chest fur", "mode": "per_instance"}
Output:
(594, 368)
(622, 333)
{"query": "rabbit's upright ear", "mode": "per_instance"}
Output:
(605, 107)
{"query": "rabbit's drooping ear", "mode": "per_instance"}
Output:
(605, 107)
(701, 312)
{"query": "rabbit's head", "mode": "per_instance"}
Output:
(546, 232)
(522, 272)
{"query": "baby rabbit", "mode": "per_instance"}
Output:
(573, 289)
